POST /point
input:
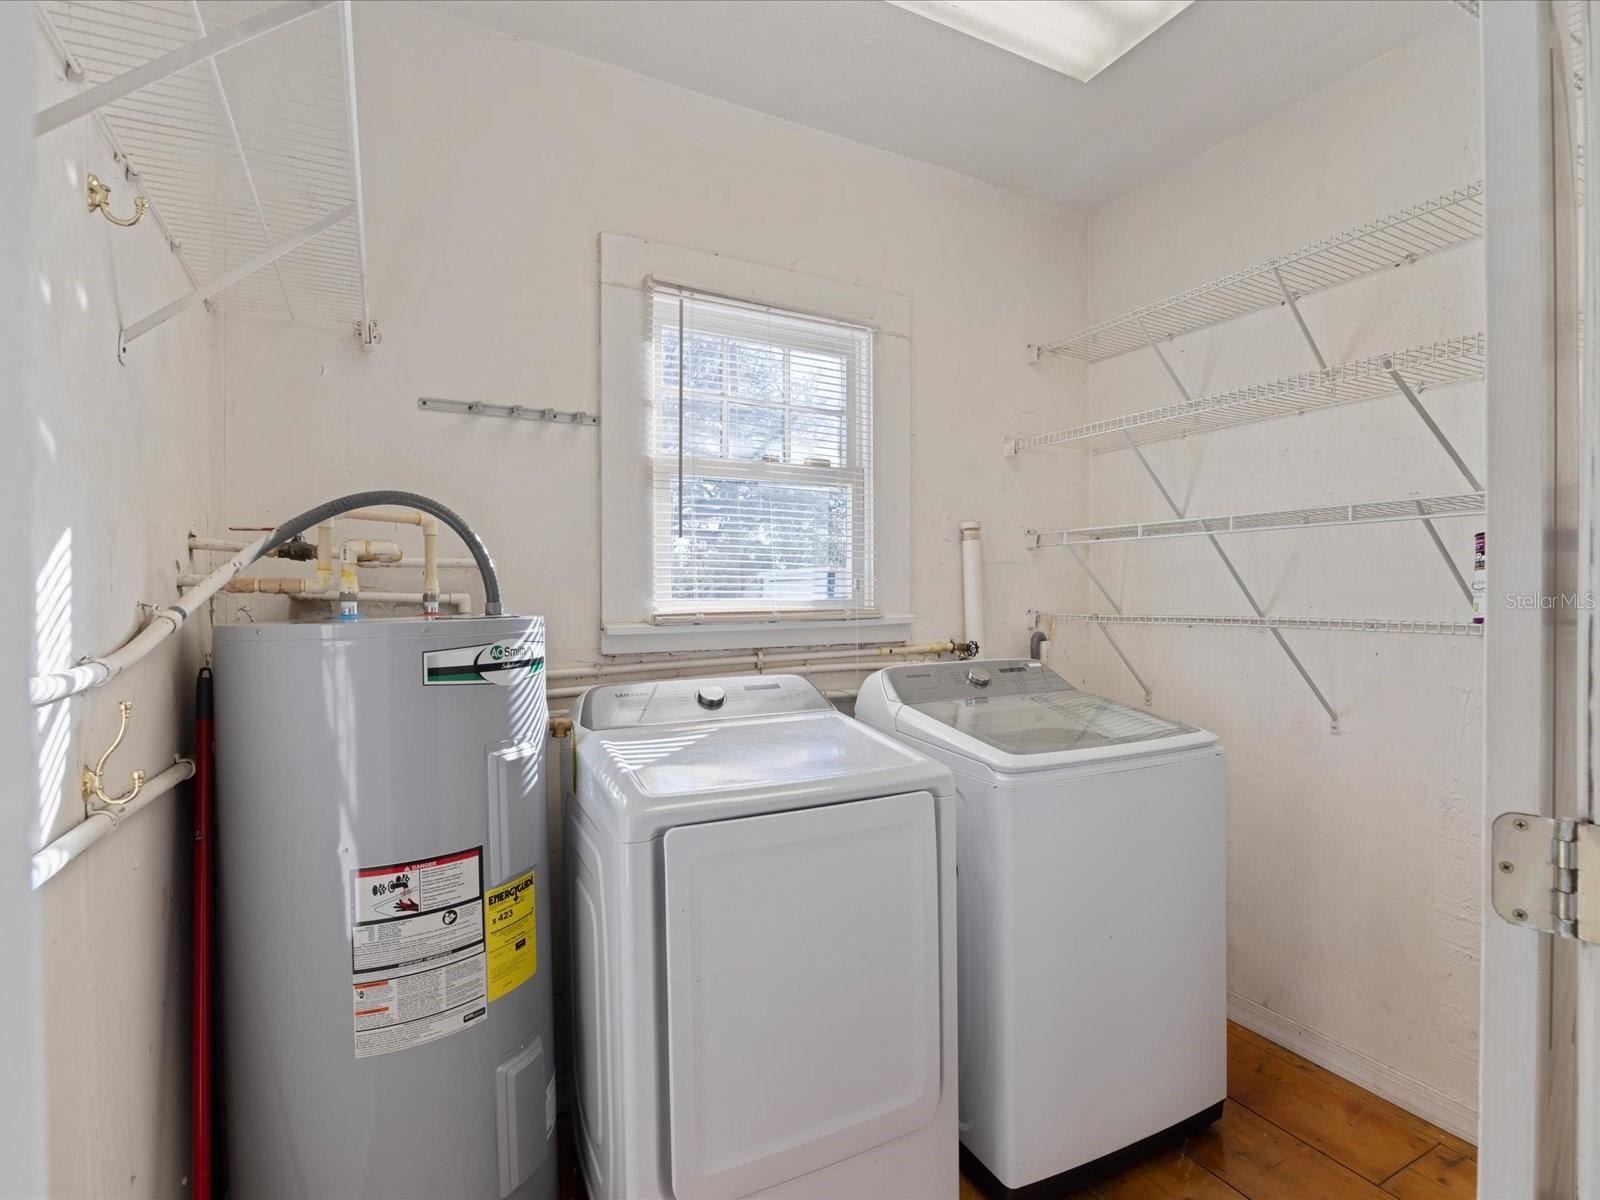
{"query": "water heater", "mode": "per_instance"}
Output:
(383, 891)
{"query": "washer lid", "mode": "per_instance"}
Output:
(643, 778)
(1020, 709)
(673, 701)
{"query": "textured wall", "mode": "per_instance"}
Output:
(484, 217)
(1353, 877)
(123, 458)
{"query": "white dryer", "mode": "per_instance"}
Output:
(762, 913)
(1092, 919)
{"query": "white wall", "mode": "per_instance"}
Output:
(1353, 881)
(491, 167)
(123, 459)
(21, 1007)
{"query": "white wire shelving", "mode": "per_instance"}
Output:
(1397, 240)
(236, 119)
(1369, 513)
(1440, 364)
(1333, 624)
(1404, 237)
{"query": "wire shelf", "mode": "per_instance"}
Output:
(1456, 360)
(238, 153)
(1395, 241)
(1335, 624)
(1370, 513)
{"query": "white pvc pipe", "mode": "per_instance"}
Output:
(972, 582)
(92, 672)
(803, 669)
(750, 659)
(221, 545)
(48, 862)
(296, 588)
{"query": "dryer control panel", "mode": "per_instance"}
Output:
(924, 682)
(679, 701)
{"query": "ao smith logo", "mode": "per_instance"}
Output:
(509, 892)
(502, 663)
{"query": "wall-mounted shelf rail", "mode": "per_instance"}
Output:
(1336, 624)
(1394, 241)
(238, 122)
(515, 412)
(1371, 512)
(1440, 364)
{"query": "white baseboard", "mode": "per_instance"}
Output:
(1425, 1100)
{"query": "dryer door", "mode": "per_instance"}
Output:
(802, 954)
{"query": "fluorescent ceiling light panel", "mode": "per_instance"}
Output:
(1079, 38)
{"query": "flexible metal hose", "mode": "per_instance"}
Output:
(323, 512)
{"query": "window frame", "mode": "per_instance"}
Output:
(630, 270)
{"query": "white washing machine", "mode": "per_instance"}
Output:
(1093, 973)
(762, 909)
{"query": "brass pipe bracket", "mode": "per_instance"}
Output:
(100, 199)
(94, 778)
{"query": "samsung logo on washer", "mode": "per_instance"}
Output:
(501, 663)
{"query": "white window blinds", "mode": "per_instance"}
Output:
(761, 450)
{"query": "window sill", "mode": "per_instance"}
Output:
(645, 638)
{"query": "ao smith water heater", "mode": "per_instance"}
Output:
(383, 887)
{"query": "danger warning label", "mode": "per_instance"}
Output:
(418, 957)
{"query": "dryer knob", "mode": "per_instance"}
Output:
(978, 677)
(710, 697)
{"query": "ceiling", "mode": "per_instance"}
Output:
(871, 72)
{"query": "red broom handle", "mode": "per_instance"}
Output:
(200, 998)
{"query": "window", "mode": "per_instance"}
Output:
(761, 461)
(782, 516)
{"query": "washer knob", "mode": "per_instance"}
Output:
(978, 677)
(710, 697)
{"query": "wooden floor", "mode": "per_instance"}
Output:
(1292, 1131)
(1289, 1131)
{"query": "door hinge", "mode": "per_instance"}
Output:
(1546, 874)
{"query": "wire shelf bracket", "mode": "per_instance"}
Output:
(1366, 513)
(1310, 624)
(1434, 365)
(274, 135)
(1400, 239)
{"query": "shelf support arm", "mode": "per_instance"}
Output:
(368, 333)
(1294, 309)
(1100, 625)
(162, 315)
(1322, 364)
(1455, 457)
(157, 69)
(1333, 717)
(1444, 553)
(1433, 427)
(1171, 374)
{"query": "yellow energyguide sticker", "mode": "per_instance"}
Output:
(509, 928)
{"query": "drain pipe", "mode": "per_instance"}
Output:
(972, 581)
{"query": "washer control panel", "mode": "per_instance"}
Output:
(962, 680)
(670, 701)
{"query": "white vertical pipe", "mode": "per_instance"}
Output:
(972, 582)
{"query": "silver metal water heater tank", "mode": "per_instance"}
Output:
(383, 889)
